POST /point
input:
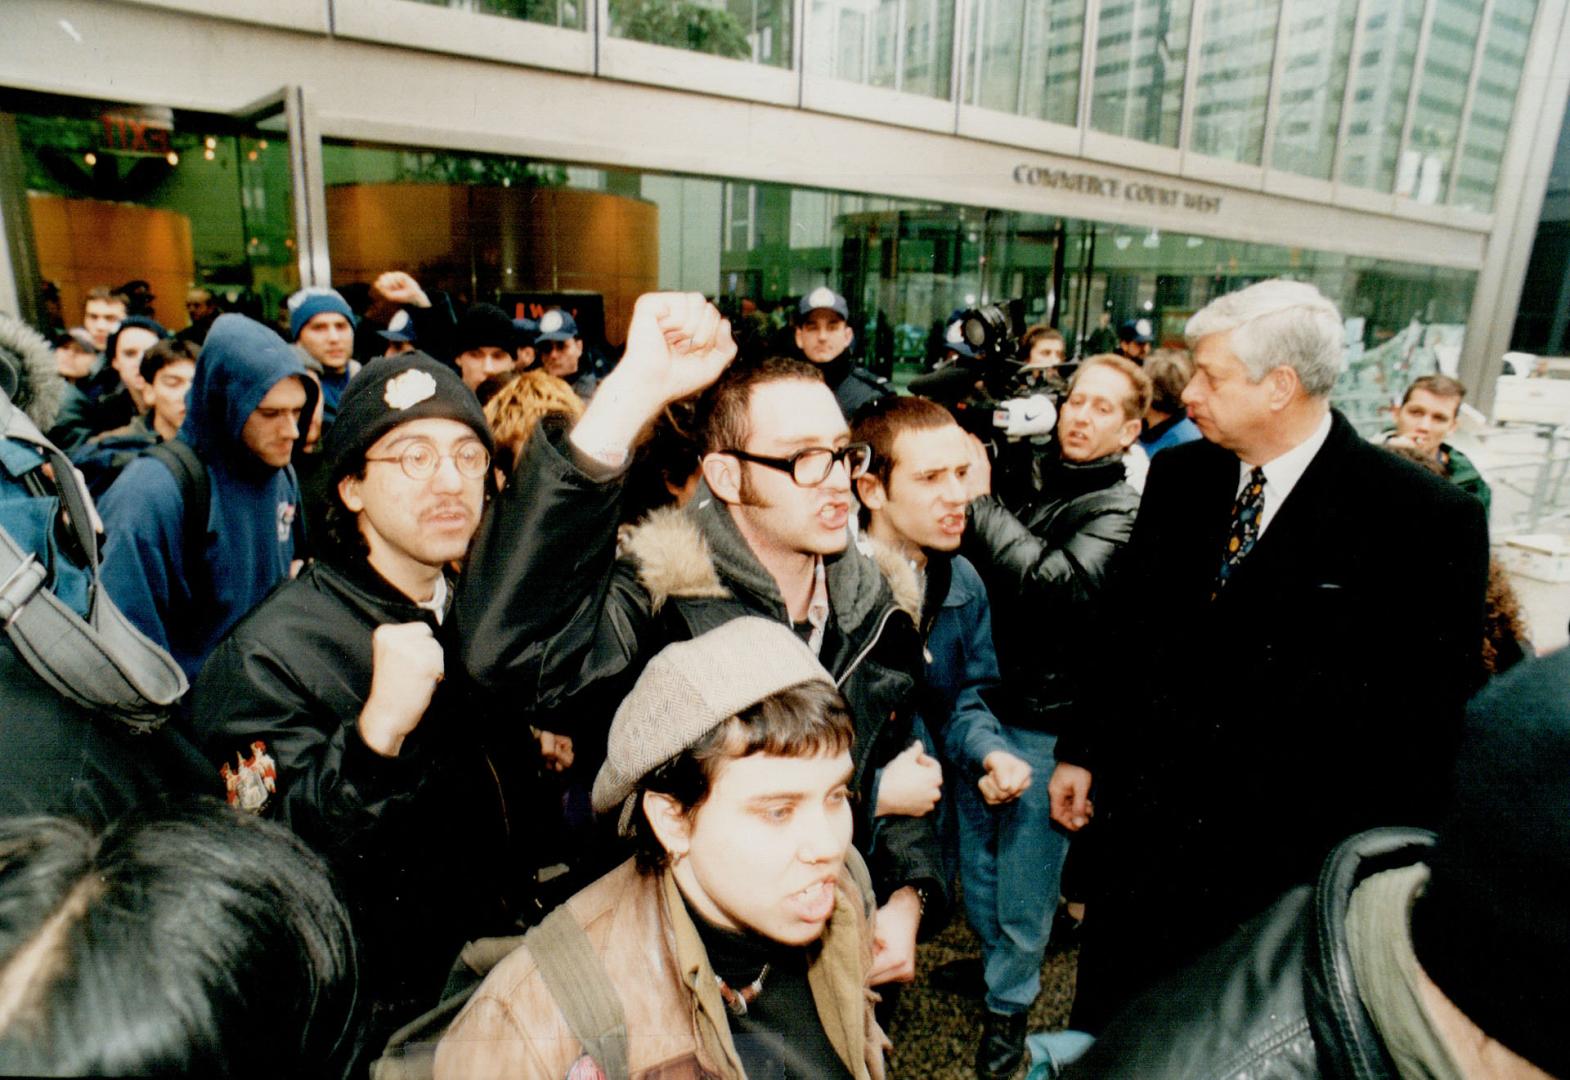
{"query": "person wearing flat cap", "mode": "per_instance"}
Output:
(737, 941)
(327, 707)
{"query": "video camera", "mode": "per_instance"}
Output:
(981, 382)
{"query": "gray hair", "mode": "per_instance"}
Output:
(1277, 323)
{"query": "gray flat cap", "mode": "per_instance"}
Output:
(692, 687)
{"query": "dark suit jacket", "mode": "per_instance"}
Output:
(1319, 695)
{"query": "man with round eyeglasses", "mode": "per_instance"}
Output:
(334, 689)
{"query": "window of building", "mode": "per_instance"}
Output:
(1025, 57)
(1424, 173)
(1141, 53)
(755, 30)
(568, 14)
(905, 45)
(1508, 33)
(1232, 88)
(115, 194)
(1318, 48)
(1382, 85)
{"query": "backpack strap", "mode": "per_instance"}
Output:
(102, 663)
(577, 980)
(196, 496)
(571, 972)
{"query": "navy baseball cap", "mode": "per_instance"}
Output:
(1136, 330)
(954, 339)
(528, 330)
(556, 325)
(825, 299)
(400, 328)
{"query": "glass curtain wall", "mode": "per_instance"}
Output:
(755, 30)
(1025, 57)
(507, 229)
(114, 193)
(1232, 87)
(568, 14)
(1317, 44)
(1141, 54)
(1381, 85)
(1499, 77)
(1424, 174)
(905, 45)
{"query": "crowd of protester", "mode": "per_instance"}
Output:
(416, 690)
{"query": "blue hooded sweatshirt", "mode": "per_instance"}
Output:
(187, 601)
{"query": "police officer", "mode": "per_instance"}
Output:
(824, 337)
(1134, 338)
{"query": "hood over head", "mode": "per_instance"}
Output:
(28, 373)
(240, 362)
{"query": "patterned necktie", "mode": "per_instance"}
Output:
(1245, 525)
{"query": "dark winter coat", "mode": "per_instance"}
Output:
(548, 617)
(1235, 740)
(425, 842)
(1046, 572)
(1278, 1001)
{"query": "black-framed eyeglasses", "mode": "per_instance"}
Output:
(810, 467)
(420, 460)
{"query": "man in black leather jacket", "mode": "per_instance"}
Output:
(1046, 556)
(550, 617)
(1412, 956)
(1044, 568)
(328, 707)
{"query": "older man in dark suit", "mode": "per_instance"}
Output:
(1264, 703)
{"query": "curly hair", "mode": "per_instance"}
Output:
(518, 406)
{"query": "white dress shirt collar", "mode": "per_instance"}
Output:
(1283, 473)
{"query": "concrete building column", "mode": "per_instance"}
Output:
(1518, 201)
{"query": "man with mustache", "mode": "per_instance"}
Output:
(563, 627)
(327, 707)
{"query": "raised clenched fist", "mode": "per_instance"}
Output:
(406, 664)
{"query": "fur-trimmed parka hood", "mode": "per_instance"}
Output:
(697, 552)
(28, 374)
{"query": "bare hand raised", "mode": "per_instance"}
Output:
(400, 288)
(677, 344)
(1070, 791)
(894, 939)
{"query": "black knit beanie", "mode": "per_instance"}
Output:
(485, 325)
(1492, 929)
(391, 391)
(134, 322)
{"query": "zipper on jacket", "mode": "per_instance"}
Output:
(876, 635)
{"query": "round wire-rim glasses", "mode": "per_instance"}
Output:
(420, 460)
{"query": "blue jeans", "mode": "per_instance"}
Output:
(1010, 863)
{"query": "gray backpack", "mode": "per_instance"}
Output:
(101, 662)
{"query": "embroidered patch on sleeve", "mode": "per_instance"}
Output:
(252, 781)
